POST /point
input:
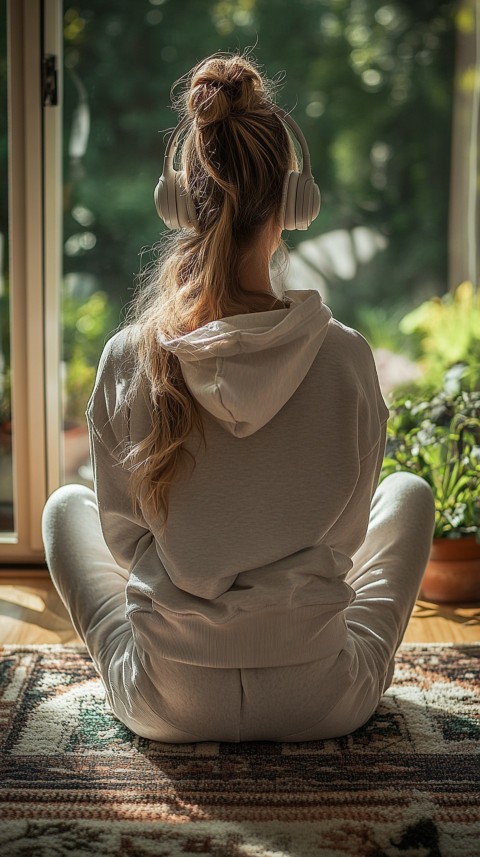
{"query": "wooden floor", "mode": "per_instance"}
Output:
(31, 612)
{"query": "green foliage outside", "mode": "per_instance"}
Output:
(84, 325)
(369, 82)
(446, 331)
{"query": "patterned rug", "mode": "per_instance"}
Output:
(76, 782)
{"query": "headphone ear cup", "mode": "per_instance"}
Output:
(307, 203)
(173, 203)
(161, 201)
(289, 198)
(300, 201)
(186, 214)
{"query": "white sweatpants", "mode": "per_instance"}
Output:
(194, 703)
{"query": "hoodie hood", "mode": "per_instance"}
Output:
(244, 368)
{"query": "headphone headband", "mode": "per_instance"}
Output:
(300, 198)
(172, 146)
(298, 133)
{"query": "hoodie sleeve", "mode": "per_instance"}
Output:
(125, 531)
(357, 510)
(372, 416)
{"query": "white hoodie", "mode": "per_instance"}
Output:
(250, 571)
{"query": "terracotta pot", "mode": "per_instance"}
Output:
(453, 571)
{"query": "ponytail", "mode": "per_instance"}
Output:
(235, 156)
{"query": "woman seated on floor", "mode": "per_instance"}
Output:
(237, 574)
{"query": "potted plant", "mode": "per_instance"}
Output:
(437, 436)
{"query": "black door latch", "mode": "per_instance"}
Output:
(49, 81)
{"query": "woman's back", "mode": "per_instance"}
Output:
(235, 575)
(279, 496)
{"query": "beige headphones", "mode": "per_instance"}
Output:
(300, 199)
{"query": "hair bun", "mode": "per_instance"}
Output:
(221, 88)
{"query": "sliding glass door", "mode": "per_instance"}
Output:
(23, 456)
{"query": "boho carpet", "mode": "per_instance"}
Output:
(75, 782)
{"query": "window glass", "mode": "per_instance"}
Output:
(370, 84)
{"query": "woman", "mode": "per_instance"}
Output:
(237, 574)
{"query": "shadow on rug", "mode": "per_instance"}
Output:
(76, 782)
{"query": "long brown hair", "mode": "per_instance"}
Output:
(235, 156)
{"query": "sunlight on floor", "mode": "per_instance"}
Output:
(31, 613)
